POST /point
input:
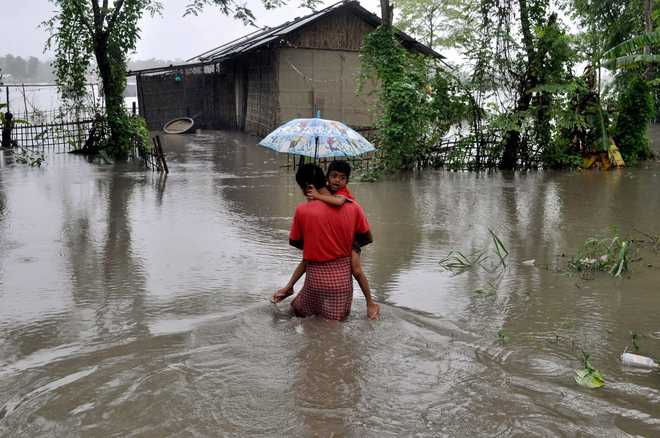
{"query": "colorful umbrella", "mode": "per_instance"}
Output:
(317, 138)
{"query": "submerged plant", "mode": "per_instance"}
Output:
(634, 338)
(588, 376)
(503, 337)
(608, 254)
(457, 262)
(25, 156)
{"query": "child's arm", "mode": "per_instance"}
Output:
(336, 200)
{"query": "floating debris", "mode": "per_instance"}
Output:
(638, 361)
(588, 376)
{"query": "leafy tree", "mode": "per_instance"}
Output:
(32, 71)
(103, 32)
(415, 100)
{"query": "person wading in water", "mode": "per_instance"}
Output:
(325, 234)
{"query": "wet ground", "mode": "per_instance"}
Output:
(133, 304)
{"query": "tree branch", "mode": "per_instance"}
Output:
(83, 18)
(115, 14)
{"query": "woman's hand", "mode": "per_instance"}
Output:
(281, 294)
(373, 310)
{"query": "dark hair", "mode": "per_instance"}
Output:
(340, 166)
(310, 174)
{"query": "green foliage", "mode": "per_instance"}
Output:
(635, 107)
(457, 262)
(84, 33)
(588, 376)
(98, 35)
(415, 100)
(239, 10)
(32, 159)
(429, 20)
(610, 254)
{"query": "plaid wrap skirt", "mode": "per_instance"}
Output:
(328, 290)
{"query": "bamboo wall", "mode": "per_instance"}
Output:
(338, 30)
(316, 70)
(162, 98)
(262, 85)
(323, 80)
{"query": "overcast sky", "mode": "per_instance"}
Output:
(168, 37)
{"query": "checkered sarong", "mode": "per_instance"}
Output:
(328, 290)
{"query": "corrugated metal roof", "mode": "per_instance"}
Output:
(264, 36)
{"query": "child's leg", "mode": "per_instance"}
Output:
(373, 310)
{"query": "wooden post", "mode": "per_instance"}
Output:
(25, 103)
(162, 155)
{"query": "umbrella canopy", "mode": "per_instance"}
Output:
(317, 138)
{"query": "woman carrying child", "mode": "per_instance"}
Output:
(333, 201)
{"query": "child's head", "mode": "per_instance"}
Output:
(310, 174)
(338, 174)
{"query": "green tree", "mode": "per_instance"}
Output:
(416, 106)
(429, 20)
(33, 68)
(101, 33)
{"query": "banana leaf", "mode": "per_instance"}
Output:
(634, 44)
(589, 378)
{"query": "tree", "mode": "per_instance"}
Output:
(33, 68)
(103, 32)
(428, 20)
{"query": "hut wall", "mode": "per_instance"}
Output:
(162, 98)
(323, 80)
(340, 29)
(262, 82)
(221, 98)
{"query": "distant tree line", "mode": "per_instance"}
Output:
(19, 69)
(16, 69)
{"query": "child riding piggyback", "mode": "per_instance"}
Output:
(337, 176)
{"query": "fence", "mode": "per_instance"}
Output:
(60, 130)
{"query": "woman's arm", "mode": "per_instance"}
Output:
(287, 290)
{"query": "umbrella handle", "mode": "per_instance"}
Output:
(316, 148)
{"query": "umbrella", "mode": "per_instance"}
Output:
(317, 138)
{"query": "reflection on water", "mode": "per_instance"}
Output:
(135, 304)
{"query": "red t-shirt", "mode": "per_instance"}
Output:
(345, 193)
(327, 232)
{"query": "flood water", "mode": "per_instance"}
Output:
(133, 304)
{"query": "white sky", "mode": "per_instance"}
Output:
(168, 37)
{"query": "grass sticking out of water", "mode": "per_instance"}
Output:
(611, 254)
(457, 262)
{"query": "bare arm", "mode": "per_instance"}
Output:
(300, 270)
(287, 290)
(335, 200)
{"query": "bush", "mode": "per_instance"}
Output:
(635, 110)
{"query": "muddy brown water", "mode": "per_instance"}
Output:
(133, 304)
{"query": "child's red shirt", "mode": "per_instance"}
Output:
(345, 193)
